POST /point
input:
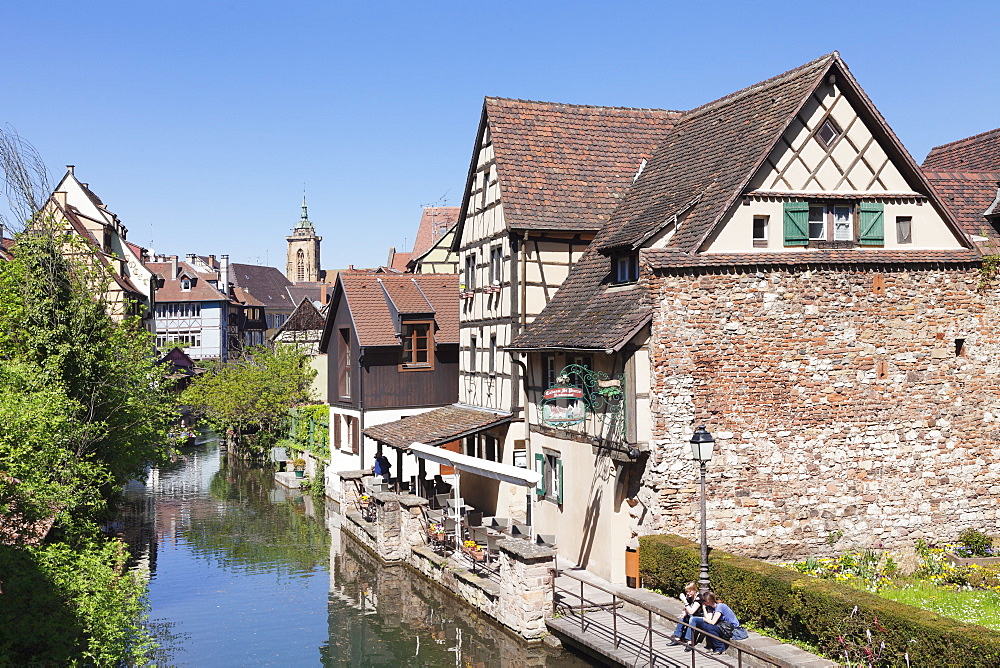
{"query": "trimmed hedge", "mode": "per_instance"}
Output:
(818, 611)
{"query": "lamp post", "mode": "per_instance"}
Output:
(702, 444)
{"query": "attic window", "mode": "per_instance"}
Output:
(185, 284)
(828, 132)
(625, 268)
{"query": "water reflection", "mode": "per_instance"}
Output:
(244, 572)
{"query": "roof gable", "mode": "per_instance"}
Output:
(562, 166)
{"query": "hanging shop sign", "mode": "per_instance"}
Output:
(579, 391)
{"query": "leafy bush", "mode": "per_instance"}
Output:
(818, 611)
(310, 429)
(976, 544)
(85, 609)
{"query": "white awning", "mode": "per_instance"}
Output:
(483, 467)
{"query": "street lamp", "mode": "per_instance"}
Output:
(702, 444)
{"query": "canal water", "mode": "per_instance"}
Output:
(246, 573)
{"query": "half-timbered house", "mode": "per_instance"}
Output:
(783, 273)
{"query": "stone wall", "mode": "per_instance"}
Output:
(850, 408)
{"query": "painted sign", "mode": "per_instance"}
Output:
(563, 393)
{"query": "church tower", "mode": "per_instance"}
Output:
(303, 250)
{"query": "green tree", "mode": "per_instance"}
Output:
(83, 411)
(249, 396)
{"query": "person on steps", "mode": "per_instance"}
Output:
(714, 612)
(691, 600)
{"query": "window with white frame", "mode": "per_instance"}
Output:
(625, 268)
(549, 370)
(828, 132)
(760, 230)
(831, 221)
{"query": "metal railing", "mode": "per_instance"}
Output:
(651, 632)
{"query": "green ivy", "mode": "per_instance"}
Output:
(309, 428)
(818, 611)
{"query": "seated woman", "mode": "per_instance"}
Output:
(691, 600)
(714, 612)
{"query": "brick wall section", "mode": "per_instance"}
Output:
(838, 404)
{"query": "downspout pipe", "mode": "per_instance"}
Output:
(361, 408)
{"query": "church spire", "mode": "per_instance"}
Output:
(304, 222)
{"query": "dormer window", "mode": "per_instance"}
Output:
(625, 268)
(186, 284)
(828, 132)
(418, 345)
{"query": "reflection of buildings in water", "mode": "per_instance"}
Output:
(397, 602)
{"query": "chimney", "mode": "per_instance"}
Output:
(190, 258)
(173, 267)
(324, 296)
(224, 274)
(212, 263)
(70, 168)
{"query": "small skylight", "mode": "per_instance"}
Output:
(828, 132)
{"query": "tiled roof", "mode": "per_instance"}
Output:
(244, 297)
(970, 196)
(701, 168)
(399, 261)
(304, 318)
(669, 258)
(366, 296)
(5, 246)
(585, 313)
(406, 297)
(201, 291)
(977, 153)
(266, 284)
(709, 156)
(314, 291)
(434, 224)
(436, 427)
(564, 166)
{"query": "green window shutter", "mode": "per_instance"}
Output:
(559, 478)
(540, 469)
(796, 223)
(870, 222)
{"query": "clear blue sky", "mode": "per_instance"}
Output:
(198, 122)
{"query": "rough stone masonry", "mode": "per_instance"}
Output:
(852, 407)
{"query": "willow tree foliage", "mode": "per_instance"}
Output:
(83, 411)
(249, 396)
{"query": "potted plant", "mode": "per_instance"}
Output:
(300, 467)
(471, 548)
(436, 531)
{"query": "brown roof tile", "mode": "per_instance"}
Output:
(267, 284)
(564, 166)
(977, 153)
(201, 291)
(970, 196)
(434, 224)
(367, 295)
(436, 427)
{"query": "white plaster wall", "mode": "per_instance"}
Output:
(736, 234)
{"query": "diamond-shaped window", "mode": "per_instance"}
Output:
(828, 132)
